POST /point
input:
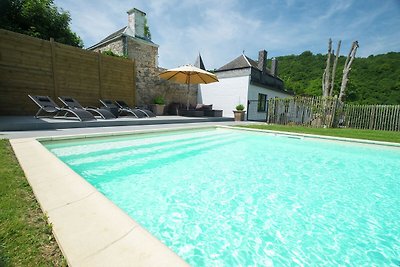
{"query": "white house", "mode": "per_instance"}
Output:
(244, 81)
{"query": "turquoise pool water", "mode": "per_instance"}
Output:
(222, 197)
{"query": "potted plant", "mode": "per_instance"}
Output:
(158, 106)
(239, 113)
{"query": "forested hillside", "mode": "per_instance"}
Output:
(373, 80)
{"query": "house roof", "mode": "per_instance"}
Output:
(239, 63)
(117, 34)
(113, 35)
(256, 77)
(253, 63)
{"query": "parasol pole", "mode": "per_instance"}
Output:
(187, 103)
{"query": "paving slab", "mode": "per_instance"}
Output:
(135, 249)
(85, 227)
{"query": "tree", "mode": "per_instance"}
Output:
(347, 68)
(373, 80)
(328, 81)
(38, 18)
(326, 75)
(334, 68)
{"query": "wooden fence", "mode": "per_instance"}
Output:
(373, 117)
(309, 111)
(30, 65)
(330, 112)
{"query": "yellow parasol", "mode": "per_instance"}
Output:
(189, 74)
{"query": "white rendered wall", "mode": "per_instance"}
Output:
(225, 94)
(255, 90)
(253, 95)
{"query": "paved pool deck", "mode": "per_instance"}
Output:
(12, 127)
(29, 123)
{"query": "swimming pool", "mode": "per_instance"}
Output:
(221, 197)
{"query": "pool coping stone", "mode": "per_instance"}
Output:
(89, 228)
(315, 136)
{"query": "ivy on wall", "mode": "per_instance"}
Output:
(147, 32)
(111, 53)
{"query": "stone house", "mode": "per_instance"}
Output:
(244, 81)
(132, 41)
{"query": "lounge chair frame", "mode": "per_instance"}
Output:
(47, 104)
(73, 104)
(121, 111)
(124, 105)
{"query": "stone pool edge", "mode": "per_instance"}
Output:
(314, 136)
(90, 230)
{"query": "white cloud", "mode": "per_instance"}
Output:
(220, 30)
(335, 8)
(213, 31)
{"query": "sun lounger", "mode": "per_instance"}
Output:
(49, 106)
(123, 105)
(71, 103)
(120, 110)
(110, 106)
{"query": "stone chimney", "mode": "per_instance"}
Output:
(274, 67)
(136, 21)
(262, 61)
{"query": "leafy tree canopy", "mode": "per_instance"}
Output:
(38, 18)
(372, 80)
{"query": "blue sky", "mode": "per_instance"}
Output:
(220, 30)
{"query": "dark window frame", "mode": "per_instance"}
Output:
(262, 102)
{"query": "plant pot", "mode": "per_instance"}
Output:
(239, 115)
(158, 109)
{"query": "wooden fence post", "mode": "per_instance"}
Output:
(54, 68)
(100, 75)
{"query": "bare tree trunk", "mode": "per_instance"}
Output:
(346, 70)
(334, 68)
(325, 76)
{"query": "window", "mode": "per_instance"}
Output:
(262, 102)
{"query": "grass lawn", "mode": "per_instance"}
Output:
(25, 236)
(386, 136)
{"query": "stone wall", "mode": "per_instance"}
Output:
(116, 46)
(148, 84)
(173, 92)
